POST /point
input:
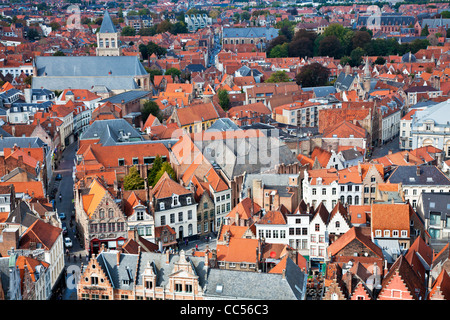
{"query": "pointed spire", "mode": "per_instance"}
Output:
(107, 24)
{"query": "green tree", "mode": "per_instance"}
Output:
(280, 51)
(133, 180)
(224, 99)
(143, 49)
(58, 54)
(360, 38)
(163, 26)
(330, 46)
(380, 60)
(128, 31)
(151, 108)
(312, 75)
(302, 44)
(275, 42)
(424, 32)
(174, 72)
(165, 167)
(153, 48)
(179, 27)
(153, 171)
(356, 57)
(33, 34)
(151, 31)
(278, 76)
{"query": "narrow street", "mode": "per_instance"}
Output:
(65, 189)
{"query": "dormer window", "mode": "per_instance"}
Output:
(175, 200)
(189, 200)
(161, 206)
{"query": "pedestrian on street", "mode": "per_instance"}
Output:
(60, 198)
(87, 258)
(196, 246)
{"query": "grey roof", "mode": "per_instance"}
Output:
(22, 142)
(195, 67)
(62, 83)
(321, 91)
(22, 215)
(88, 66)
(117, 274)
(247, 155)
(269, 180)
(86, 72)
(351, 154)
(438, 202)
(252, 32)
(253, 285)
(439, 114)
(131, 266)
(344, 81)
(409, 57)
(245, 71)
(109, 132)
(435, 23)
(223, 124)
(429, 175)
(387, 19)
(127, 96)
(107, 24)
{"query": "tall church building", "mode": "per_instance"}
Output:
(107, 38)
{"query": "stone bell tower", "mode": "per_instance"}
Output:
(107, 38)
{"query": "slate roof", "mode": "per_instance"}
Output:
(108, 132)
(253, 285)
(429, 175)
(249, 155)
(86, 72)
(252, 32)
(437, 113)
(321, 91)
(435, 202)
(223, 124)
(126, 96)
(344, 81)
(107, 24)
(22, 215)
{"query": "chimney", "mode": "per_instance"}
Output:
(207, 259)
(118, 257)
(418, 171)
(283, 274)
(236, 219)
(167, 256)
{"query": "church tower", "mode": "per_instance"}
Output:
(107, 38)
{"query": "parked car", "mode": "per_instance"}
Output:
(64, 228)
(62, 215)
(58, 176)
(67, 242)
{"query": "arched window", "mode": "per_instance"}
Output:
(110, 213)
(356, 200)
(349, 200)
(102, 213)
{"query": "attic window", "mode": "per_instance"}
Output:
(219, 288)
(429, 179)
(432, 204)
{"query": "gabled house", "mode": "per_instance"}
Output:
(175, 206)
(402, 283)
(99, 217)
